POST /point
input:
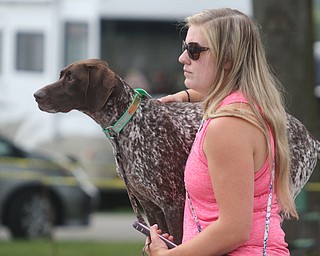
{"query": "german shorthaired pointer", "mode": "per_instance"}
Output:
(151, 140)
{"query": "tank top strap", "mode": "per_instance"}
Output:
(235, 97)
(232, 111)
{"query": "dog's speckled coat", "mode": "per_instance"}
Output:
(153, 147)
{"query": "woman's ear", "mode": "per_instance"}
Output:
(227, 62)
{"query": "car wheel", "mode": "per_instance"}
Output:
(30, 215)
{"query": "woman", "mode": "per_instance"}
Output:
(232, 201)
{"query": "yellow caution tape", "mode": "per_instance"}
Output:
(35, 176)
(115, 184)
(29, 163)
(313, 186)
(112, 184)
(103, 183)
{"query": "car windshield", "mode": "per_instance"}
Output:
(7, 149)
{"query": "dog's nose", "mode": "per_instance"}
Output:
(39, 95)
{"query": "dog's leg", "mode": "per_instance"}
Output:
(169, 219)
(135, 207)
(155, 215)
(174, 215)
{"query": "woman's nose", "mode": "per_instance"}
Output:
(184, 58)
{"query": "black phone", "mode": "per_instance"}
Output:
(146, 231)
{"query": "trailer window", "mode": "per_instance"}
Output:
(144, 53)
(30, 51)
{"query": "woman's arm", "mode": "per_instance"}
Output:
(183, 96)
(230, 146)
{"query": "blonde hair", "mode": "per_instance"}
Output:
(234, 40)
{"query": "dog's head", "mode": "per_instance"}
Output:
(83, 85)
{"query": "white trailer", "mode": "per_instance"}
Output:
(39, 37)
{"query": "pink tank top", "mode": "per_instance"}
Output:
(199, 187)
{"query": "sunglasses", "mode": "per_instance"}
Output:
(193, 49)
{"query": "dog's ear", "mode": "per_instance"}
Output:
(101, 82)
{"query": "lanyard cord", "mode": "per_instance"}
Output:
(195, 217)
(268, 214)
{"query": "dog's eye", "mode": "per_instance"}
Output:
(69, 78)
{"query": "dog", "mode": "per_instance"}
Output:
(151, 140)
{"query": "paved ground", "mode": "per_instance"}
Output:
(103, 227)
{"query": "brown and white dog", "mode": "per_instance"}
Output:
(152, 148)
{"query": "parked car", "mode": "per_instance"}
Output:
(37, 192)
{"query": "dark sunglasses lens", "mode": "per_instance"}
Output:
(193, 50)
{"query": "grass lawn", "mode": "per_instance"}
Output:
(75, 248)
(65, 248)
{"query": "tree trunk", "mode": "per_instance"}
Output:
(287, 29)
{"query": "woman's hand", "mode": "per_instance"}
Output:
(155, 246)
(183, 96)
(171, 98)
